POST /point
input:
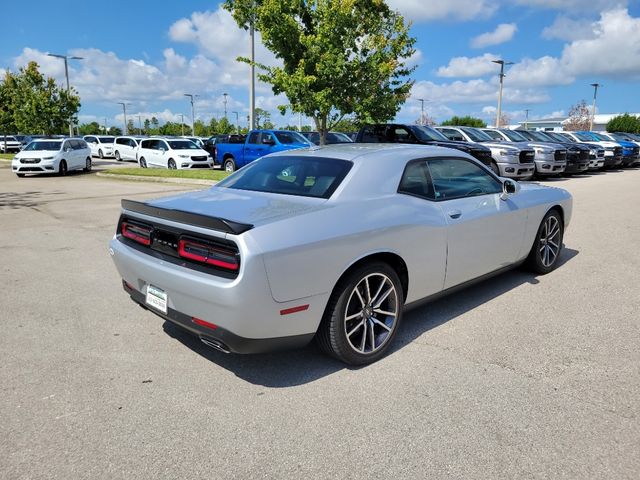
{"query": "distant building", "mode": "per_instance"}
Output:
(555, 124)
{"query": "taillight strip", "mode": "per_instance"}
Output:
(136, 233)
(207, 254)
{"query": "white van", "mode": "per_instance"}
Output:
(101, 146)
(55, 155)
(124, 148)
(172, 153)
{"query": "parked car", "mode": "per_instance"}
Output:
(596, 152)
(258, 144)
(577, 154)
(125, 148)
(52, 156)
(101, 145)
(630, 149)
(508, 160)
(331, 138)
(612, 150)
(197, 140)
(333, 243)
(9, 143)
(211, 142)
(172, 154)
(549, 159)
(23, 139)
(418, 134)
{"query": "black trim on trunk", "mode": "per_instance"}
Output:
(189, 218)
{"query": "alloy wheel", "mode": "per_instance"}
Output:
(549, 243)
(371, 313)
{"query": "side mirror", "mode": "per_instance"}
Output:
(67, 149)
(509, 187)
(162, 149)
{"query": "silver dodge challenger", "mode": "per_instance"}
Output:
(333, 243)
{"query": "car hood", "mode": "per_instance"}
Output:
(241, 206)
(191, 151)
(464, 146)
(548, 145)
(504, 146)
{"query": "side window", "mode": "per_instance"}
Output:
(494, 135)
(267, 137)
(82, 144)
(146, 144)
(66, 145)
(416, 180)
(132, 143)
(75, 144)
(90, 139)
(458, 178)
(120, 141)
(452, 134)
(162, 144)
(374, 134)
(254, 138)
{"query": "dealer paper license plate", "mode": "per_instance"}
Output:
(157, 298)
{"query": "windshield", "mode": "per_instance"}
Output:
(427, 134)
(476, 135)
(494, 135)
(556, 137)
(539, 136)
(514, 136)
(106, 139)
(288, 138)
(599, 137)
(8, 139)
(618, 137)
(182, 145)
(48, 146)
(583, 136)
(290, 175)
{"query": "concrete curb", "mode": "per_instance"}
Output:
(137, 178)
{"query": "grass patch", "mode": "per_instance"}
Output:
(214, 175)
(7, 156)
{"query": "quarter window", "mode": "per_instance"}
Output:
(416, 180)
(458, 178)
(254, 138)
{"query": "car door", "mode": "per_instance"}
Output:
(162, 153)
(131, 149)
(254, 147)
(484, 232)
(69, 154)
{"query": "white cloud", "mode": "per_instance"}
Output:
(542, 71)
(503, 33)
(474, 91)
(455, 10)
(577, 5)
(566, 28)
(470, 66)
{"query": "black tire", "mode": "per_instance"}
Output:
(142, 162)
(495, 169)
(544, 242)
(229, 165)
(171, 164)
(332, 336)
(88, 165)
(100, 154)
(20, 175)
(62, 168)
(117, 155)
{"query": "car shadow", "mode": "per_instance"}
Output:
(31, 199)
(308, 364)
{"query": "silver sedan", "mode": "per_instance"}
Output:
(332, 243)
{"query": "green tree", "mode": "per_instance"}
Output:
(114, 131)
(201, 130)
(93, 128)
(339, 57)
(131, 128)
(6, 114)
(37, 104)
(624, 123)
(225, 126)
(466, 121)
(347, 125)
(213, 126)
(147, 126)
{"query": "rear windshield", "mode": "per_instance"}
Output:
(48, 146)
(182, 145)
(291, 175)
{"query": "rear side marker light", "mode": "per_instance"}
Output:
(300, 308)
(203, 323)
(209, 254)
(137, 233)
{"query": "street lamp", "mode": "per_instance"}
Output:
(252, 82)
(237, 122)
(421, 100)
(593, 109)
(182, 123)
(124, 110)
(225, 104)
(526, 118)
(66, 74)
(192, 97)
(502, 63)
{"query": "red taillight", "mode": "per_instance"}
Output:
(289, 311)
(203, 323)
(209, 254)
(137, 233)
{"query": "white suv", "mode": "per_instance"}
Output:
(172, 153)
(124, 148)
(101, 146)
(11, 144)
(56, 155)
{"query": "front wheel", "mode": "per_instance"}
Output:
(546, 249)
(172, 164)
(363, 315)
(143, 163)
(62, 169)
(229, 165)
(100, 154)
(87, 165)
(117, 155)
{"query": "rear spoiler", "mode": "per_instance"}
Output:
(195, 219)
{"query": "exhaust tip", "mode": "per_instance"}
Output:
(210, 342)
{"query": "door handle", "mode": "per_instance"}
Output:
(455, 214)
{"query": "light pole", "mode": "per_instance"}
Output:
(66, 74)
(526, 118)
(502, 63)
(192, 97)
(252, 82)
(225, 104)
(593, 109)
(237, 122)
(182, 123)
(105, 125)
(124, 110)
(421, 100)
(139, 125)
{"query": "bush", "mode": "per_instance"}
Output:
(466, 121)
(624, 123)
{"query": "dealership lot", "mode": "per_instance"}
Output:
(520, 376)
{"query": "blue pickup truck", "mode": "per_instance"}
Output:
(258, 144)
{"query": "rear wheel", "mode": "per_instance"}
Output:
(62, 169)
(143, 163)
(363, 315)
(229, 165)
(546, 249)
(117, 155)
(171, 164)
(87, 165)
(100, 154)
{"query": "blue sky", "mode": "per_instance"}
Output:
(150, 54)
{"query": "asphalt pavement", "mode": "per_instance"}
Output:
(521, 376)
